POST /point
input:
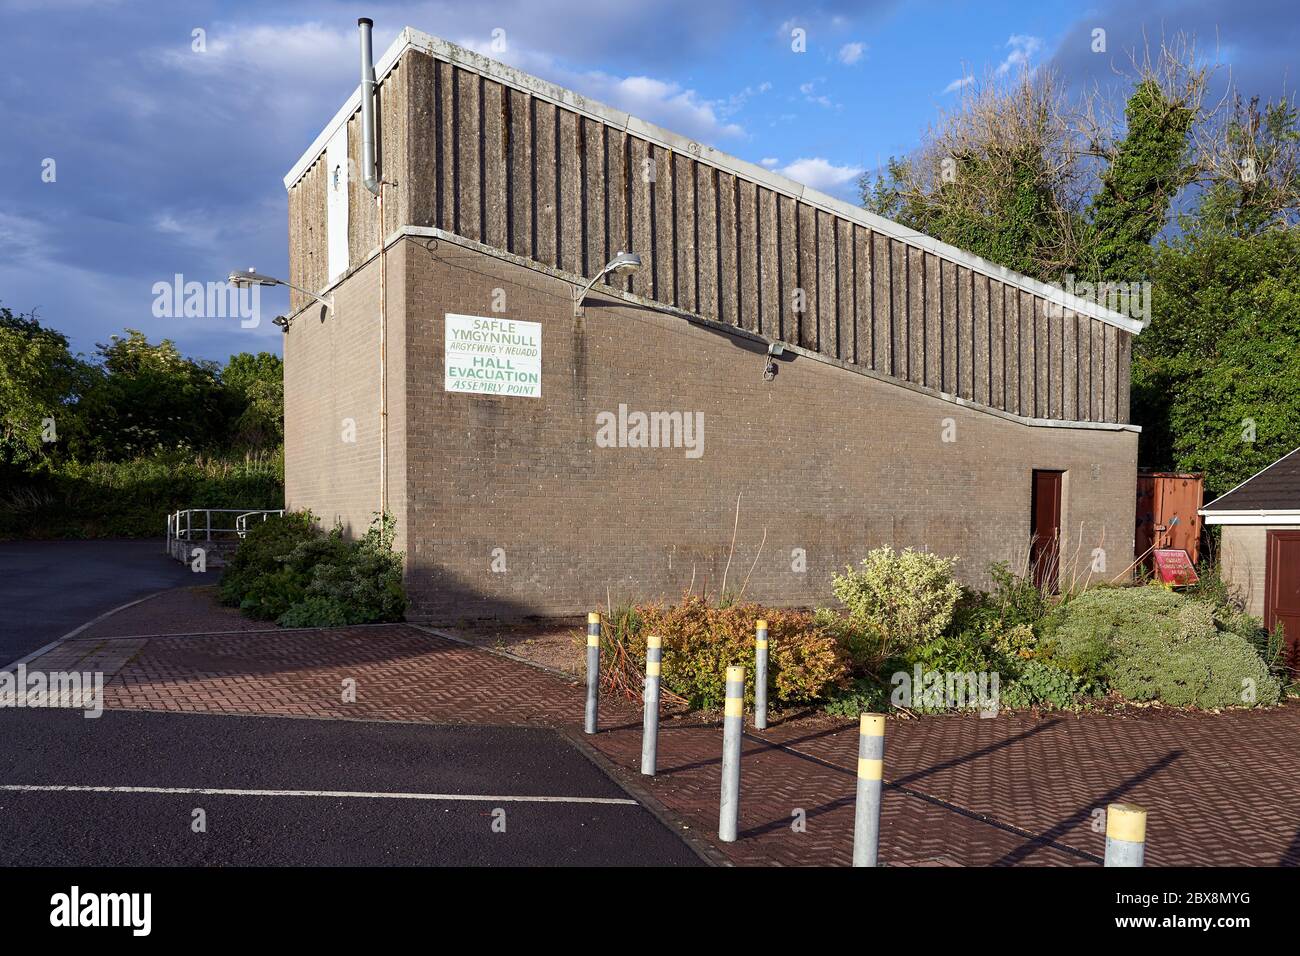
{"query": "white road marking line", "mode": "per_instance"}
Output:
(213, 791)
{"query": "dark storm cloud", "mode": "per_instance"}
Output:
(1254, 42)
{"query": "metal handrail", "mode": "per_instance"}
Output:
(241, 522)
(181, 523)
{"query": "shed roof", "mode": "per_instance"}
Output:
(1275, 489)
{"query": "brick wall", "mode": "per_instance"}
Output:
(825, 460)
(331, 395)
(1243, 555)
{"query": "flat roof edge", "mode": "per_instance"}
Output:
(410, 38)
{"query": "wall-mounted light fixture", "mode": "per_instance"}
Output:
(625, 263)
(774, 350)
(253, 277)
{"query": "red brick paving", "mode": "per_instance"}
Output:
(178, 611)
(1011, 790)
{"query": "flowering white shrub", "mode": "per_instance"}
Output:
(901, 599)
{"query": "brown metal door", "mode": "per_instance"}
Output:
(1045, 529)
(1282, 591)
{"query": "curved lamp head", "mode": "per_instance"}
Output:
(625, 263)
(252, 277)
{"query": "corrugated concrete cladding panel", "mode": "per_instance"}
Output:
(497, 164)
(826, 462)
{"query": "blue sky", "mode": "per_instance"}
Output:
(170, 160)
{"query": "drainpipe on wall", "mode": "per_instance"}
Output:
(375, 185)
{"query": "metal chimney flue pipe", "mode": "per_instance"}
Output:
(368, 174)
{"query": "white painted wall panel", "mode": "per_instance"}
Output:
(336, 200)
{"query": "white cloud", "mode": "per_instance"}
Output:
(771, 162)
(664, 102)
(821, 174)
(302, 70)
(851, 53)
(958, 83)
(660, 101)
(296, 70)
(1023, 48)
(737, 101)
(809, 91)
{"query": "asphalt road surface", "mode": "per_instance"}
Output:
(47, 588)
(281, 803)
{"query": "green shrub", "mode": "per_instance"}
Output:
(899, 600)
(967, 650)
(866, 695)
(700, 641)
(286, 570)
(1042, 685)
(259, 578)
(1149, 643)
(315, 611)
(861, 649)
(366, 579)
(132, 498)
(1018, 642)
(1209, 669)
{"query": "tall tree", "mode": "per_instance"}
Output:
(1147, 167)
(1216, 378)
(1250, 161)
(1050, 185)
(39, 379)
(994, 177)
(148, 398)
(256, 384)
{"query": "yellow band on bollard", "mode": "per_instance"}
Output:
(870, 769)
(734, 707)
(593, 617)
(735, 673)
(652, 669)
(872, 725)
(761, 625)
(654, 640)
(761, 644)
(1125, 821)
(593, 640)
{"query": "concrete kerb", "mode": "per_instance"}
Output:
(630, 783)
(554, 671)
(41, 651)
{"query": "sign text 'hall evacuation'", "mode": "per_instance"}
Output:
(493, 356)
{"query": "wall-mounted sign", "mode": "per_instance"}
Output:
(493, 356)
(1174, 566)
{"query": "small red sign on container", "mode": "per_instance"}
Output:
(1174, 567)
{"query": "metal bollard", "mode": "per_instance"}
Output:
(733, 725)
(871, 767)
(593, 669)
(1126, 835)
(760, 676)
(650, 724)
